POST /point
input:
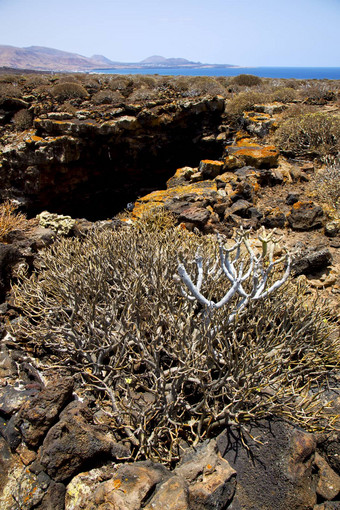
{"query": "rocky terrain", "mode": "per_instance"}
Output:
(106, 153)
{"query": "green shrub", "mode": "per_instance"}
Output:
(69, 90)
(106, 307)
(315, 134)
(246, 80)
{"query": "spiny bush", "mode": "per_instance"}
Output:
(124, 84)
(194, 86)
(284, 94)
(246, 80)
(245, 101)
(69, 90)
(107, 308)
(143, 94)
(8, 90)
(315, 134)
(107, 96)
(22, 119)
(317, 93)
(328, 185)
(10, 219)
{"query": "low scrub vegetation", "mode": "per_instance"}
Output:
(107, 308)
(69, 90)
(22, 119)
(313, 134)
(328, 185)
(10, 220)
(246, 80)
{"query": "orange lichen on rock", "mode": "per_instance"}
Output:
(160, 198)
(254, 155)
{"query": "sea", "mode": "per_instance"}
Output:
(300, 73)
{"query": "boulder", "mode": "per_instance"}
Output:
(74, 441)
(276, 470)
(258, 124)
(210, 169)
(172, 198)
(329, 482)
(249, 153)
(211, 478)
(306, 216)
(181, 177)
(311, 261)
(38, 414)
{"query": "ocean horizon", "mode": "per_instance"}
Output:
(300, 73)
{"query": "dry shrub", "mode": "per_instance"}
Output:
(246, 80)
(194, 86)
(10, 220)
(22, 119)
(143, 94)
(317, 92)
(69, 90)
(8, 90)
(328, 185)
(107, 96)
(284, 94)
(35, 80)
(245, 101)
(107, 308)
(121, 83)
(313, 134)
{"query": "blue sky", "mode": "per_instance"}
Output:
(241, 32)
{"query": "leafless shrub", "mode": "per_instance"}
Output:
(315, 134)
(107, 96)
(10, 219)
(123, 84)
(328, 185)
(194, 86)
(69, 90)
(284, 94)
(245, 101)
(22, 119)
(246, 80)
(143, 94)
(107, 307)
(317, 92)
(9, 90)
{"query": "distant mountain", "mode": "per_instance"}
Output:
(48, 59)
(157, 60)
(104, 60)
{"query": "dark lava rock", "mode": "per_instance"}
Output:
(240, 208)
(75, 441)
(311, 261)
(41, 412)
(276, 472)
(306, 216)
(9, 256)
(197, 215)
(292, 198)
